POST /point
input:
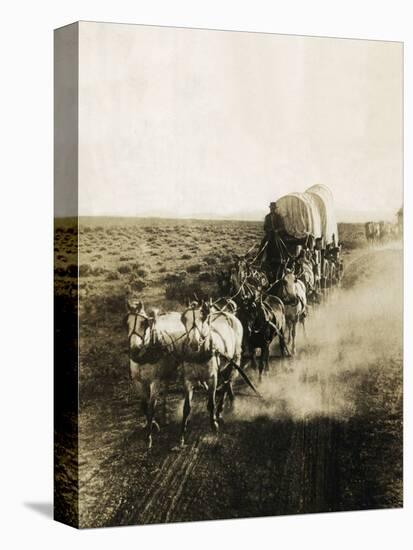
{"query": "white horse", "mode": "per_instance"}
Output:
(308, 277)
(293, 295)
(213, 346)
(154, 355)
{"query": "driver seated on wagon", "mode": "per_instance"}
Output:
(273, 222)
(273, 225)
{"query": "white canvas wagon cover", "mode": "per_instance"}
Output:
(325, 202)
(309, 213)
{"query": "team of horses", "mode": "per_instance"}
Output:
(209, 343)
(201, 345)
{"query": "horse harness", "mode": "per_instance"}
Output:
(134, 331)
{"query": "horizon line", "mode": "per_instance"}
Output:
(150, 216)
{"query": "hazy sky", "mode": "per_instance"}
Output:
(199, 122)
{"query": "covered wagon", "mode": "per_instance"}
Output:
(301, 224)
(309, 214)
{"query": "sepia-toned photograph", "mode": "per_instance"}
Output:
(228, 273)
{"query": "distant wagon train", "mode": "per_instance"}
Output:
(384, 231)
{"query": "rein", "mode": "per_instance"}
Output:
(259, 253)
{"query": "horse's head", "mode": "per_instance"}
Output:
(238, 273)
(247, 312)
(192, 319)
(140, 325)
(288, 281)
(197, 326)
(235, 280)
(248, 303)
(224, 282)
(335, 253)
(206, 310)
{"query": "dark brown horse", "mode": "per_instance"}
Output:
(263, 320)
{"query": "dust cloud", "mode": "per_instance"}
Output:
(360, 328)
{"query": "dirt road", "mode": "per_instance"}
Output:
(328, 436)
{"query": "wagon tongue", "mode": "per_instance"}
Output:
(247, 380)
